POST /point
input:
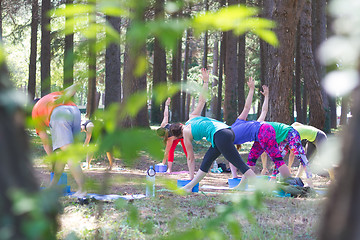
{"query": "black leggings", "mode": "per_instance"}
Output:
(224, 144)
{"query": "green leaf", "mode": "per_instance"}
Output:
(141, 66)
(72, 10)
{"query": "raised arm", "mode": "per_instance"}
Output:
(190, 151)
(166, 113)
(265, 105)
(202, 100)
(251, 84)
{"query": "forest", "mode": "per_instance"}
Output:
(127, 58)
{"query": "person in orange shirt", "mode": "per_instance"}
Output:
(57, 112)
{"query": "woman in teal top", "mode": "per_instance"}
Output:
(217, 133)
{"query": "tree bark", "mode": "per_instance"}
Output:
(221, 74)
(317, 113)
(215, 83)
(33, 48)
(112, 67)
(69, 55)
(159, 69)
(241, 73)
(341, 216)
(187, 60)
(45, 48)
(286, 15)
(318, 37)
(176, 79)
(344, 110)
(299, 110)
(17, 174)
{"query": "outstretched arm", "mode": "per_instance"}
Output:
(247, 107)
(265, 105)
(202, 100)
(45, 141)
(166, 113)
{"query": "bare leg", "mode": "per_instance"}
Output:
(77, 173)
(291, 158)
(58, 170)
(233, 170)
(169, 167)
(300, 171)
(284, 171)
(88, 159)
(264, 171)
(199, 175)
(247, 175)
(111, 159)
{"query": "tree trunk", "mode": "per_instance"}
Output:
(33, 48)
(316, 109)
(241, 69)
(159, 68)
(187, 60)
(241, 73)
(299, 111)
(188, 96)
(286, 15)
(175, 79)
(215, 83)
(318, 37)
(206, 50)
(341, 216)
(45, 48)
(142, 118)
(344, 110)
(68, 55)
(231, 75)
(17, 176)
(221, 73)
(112, 67)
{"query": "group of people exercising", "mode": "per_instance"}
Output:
(58, 112)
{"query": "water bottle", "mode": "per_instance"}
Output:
(150, 182)
(215, 167)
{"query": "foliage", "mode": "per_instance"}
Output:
(342, 50)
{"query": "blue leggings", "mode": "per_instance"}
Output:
(224, 144)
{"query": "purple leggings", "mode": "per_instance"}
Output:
(266, 142)
(293, 142)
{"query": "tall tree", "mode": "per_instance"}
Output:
(175, 79)
(318, 18)
(17, 175)
(205, 52)
(344, 110)
(91, 94)
(135, 80)
(286, 14)
(215, 83)
(241, 69)
(231, 75)
(113, 66)
(159, 66)
(341, 216)
(69, 53)
(298, 103)
(33, 48)
(45, 48)
(187, 60)
(317, 113)
(221, 73)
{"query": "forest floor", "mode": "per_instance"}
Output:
(169, 213)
